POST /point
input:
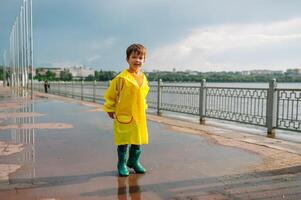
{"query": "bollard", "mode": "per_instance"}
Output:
(271, 114)
(94, 91)
(59, 87)
(65, 89)
(82, 90)
(202, 102)
(159, 99)
(72, 83)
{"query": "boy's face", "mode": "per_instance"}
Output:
(135, 61)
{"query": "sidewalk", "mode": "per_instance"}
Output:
(63, 149)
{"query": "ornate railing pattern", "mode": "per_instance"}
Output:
(182, 99)
(79, 90)
(100, 90)
(152, 96)
(289, 109)
(246, 105)
(87, 91)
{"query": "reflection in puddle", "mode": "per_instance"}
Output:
(129, 186)
(20, 121)
(18, 109)
(37, 126)
(5, 170)
(8, 149)
(25, 136)
(20, 115)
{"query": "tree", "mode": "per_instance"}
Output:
(104, 75)
(90, 78)
(65, 75)
(50, 75)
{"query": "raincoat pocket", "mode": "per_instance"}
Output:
(124, 118)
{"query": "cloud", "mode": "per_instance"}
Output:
(187, 34)
(82, 52)
(233, 47)
(93, 58)
(63, 64)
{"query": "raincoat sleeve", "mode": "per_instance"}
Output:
(146, 105)
(110, 97)
(146, 90)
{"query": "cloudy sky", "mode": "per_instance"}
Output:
(202, 35)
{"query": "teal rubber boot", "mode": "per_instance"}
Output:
(134, 160)
(122, 168)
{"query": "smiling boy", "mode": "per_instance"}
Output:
(125, 103)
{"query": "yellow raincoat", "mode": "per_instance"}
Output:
(127, 100)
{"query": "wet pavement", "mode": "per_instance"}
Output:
(68, 153)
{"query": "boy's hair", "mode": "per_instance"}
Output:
(135, 48)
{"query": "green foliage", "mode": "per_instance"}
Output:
(50, 76)
(90, 78)
(220, 77)
(104, 75)
(65, 75)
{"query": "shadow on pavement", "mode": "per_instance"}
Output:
(58, 180)
(264, 185)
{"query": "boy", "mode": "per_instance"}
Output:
(125, 102)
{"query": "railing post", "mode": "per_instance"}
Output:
(65, 94)
(94, 91)
(159, 99)
(271, 115)
(59, 87)
(202, 102)
(72, 83)
(82, 90)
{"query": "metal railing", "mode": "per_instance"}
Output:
(245, 105)
(289, 109)
(89, 91)
(267, 107)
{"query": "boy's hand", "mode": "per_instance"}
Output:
(111, 115)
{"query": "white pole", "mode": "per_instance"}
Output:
(26, 42)
(4, 68)
(21, 46)
(10, 57)
(24, 47)
(14, 56)
(18, 50)
(31, 48)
